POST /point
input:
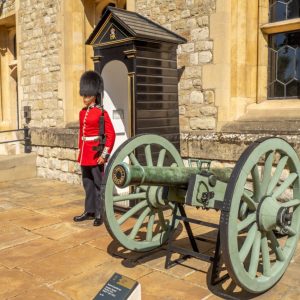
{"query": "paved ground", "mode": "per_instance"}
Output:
(44, 255)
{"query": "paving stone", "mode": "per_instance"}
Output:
(158, 284)
(87, 284)
(16, 237)
(15, 282)
(58, 231)
(42, 292)
(67, 263)
(36, 221)
(88, 236)
(15, 213)
(65, 212)
(25, 253)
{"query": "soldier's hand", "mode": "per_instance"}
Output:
(101, 160)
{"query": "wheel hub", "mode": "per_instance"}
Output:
(154, 196)
(270, 215)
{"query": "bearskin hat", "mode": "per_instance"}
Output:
(91, 84)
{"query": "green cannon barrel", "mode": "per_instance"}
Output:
(124, 175)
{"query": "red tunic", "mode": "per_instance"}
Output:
(89, 127)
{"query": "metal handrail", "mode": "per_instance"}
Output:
(27, 138)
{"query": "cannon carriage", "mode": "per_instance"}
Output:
(259, 200)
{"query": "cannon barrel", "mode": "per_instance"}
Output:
(124, 175)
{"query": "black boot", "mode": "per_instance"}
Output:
(98, 221)
(84, 216)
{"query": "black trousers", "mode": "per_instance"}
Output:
(92, 177)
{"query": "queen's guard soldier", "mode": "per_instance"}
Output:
(96, 141)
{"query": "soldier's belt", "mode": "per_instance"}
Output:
(90, 138)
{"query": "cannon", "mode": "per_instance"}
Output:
(259, 203)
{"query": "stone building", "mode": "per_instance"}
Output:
(239, 72)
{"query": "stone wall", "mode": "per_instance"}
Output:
(7, 7)
(190, 19)
(57, 154)
(40, 40)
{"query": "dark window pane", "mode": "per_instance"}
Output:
(276, 90)
(284, 65)
(280, 10)
(293, 89)
(293, 9)
(286, 60)
(298, 64)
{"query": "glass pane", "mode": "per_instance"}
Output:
(280, 10)
(284, 65)
(298, 64)
(293, 89)
(276, 90)
(293, 9)
(286, 60)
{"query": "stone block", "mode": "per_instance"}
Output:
(194, 59)
(209, 97)
(64, 165)
(182, 110)
(200, 34)
(203, 123)
(208, 110)
(205, 57)
(196, 97)
(188, 47)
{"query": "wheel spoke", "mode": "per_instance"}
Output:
(294, 202)
(161, 157)
(275, 246)
(132, 211)
(267, 171)
(150, 227)
(139, 223)
(162, 220)
(148, 155)
(133, 159)
(291, 178)
(274, 180)
(248, 243)
(249, 220)
(265, 256)
(256, 183)
(136, 196)
(243, 210)
(255, 255)
(290, 230)
(250, 202)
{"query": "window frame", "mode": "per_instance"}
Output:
(268, 28)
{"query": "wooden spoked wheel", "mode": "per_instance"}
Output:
(145, 223)
(261, 214)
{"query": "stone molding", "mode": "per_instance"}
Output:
(225, 147)
(55, 137)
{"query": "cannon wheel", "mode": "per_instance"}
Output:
(146, 203)
(261, 214)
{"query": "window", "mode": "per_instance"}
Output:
(283, 10)
(284, 50)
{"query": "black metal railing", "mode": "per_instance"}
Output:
(26, 139)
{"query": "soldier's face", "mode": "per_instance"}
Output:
(88, 100)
